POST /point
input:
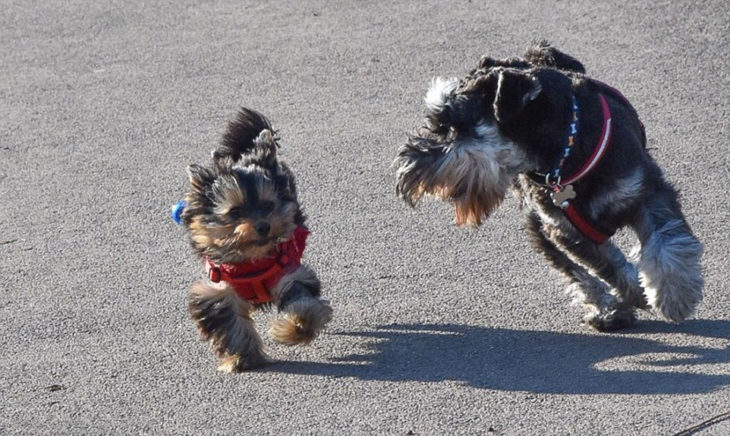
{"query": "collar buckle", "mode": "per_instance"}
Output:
(549, 179)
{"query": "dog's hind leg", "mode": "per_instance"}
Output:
(604, 311)
(669, 256)
(224, 320)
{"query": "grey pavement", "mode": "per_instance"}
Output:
(437, 330)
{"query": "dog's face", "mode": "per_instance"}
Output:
(462, 153)
(243, 210)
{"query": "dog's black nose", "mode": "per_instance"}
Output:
(263, 228)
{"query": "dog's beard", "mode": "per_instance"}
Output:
(473, 174)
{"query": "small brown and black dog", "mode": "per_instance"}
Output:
(246, 224)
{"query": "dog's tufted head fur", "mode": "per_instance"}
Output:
(504, 118)
(245, 203)
(463, 152)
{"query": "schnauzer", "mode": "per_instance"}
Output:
(245, 223)
(574, 151)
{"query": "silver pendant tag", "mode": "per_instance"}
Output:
(561, 197)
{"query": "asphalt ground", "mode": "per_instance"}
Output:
(437, 330)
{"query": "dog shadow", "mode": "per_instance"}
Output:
(535, 361)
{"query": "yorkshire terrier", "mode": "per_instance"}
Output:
(574, 151)
(245, 223)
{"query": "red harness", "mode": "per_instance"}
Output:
(563, 192)
(253, 280)
(570, 211)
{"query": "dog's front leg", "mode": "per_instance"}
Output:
(224, 320)
(604, 311)
(302, 315)
(607, 262)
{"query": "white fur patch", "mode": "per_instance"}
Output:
(615, 197)
(439, 92)
(477, 171)
(495, 159)
(670, 272)
(589, 292)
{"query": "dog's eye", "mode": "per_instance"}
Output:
(267, 206)
(237, 212)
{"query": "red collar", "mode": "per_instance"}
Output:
(253, 280)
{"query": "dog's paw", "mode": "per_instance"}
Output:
(674, 307)
(233, 363)
(611, 318)
(639, 301)
(301, 321)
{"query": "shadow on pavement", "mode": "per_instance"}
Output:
(535, 361)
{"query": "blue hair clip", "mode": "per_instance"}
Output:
(177, 211)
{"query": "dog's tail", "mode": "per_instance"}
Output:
(242, 136)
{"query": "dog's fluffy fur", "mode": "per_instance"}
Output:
(240, 208)
(508, 119)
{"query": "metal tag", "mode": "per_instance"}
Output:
(561, 197)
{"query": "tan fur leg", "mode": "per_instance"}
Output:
(303, 318)
(301, 321)
(224, 320)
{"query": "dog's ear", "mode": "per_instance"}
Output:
(200, 177)
(515, 90)
(543, 54)
(486, 62)
(223, 162)
(266, 146)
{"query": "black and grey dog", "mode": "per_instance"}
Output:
(574, 150)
